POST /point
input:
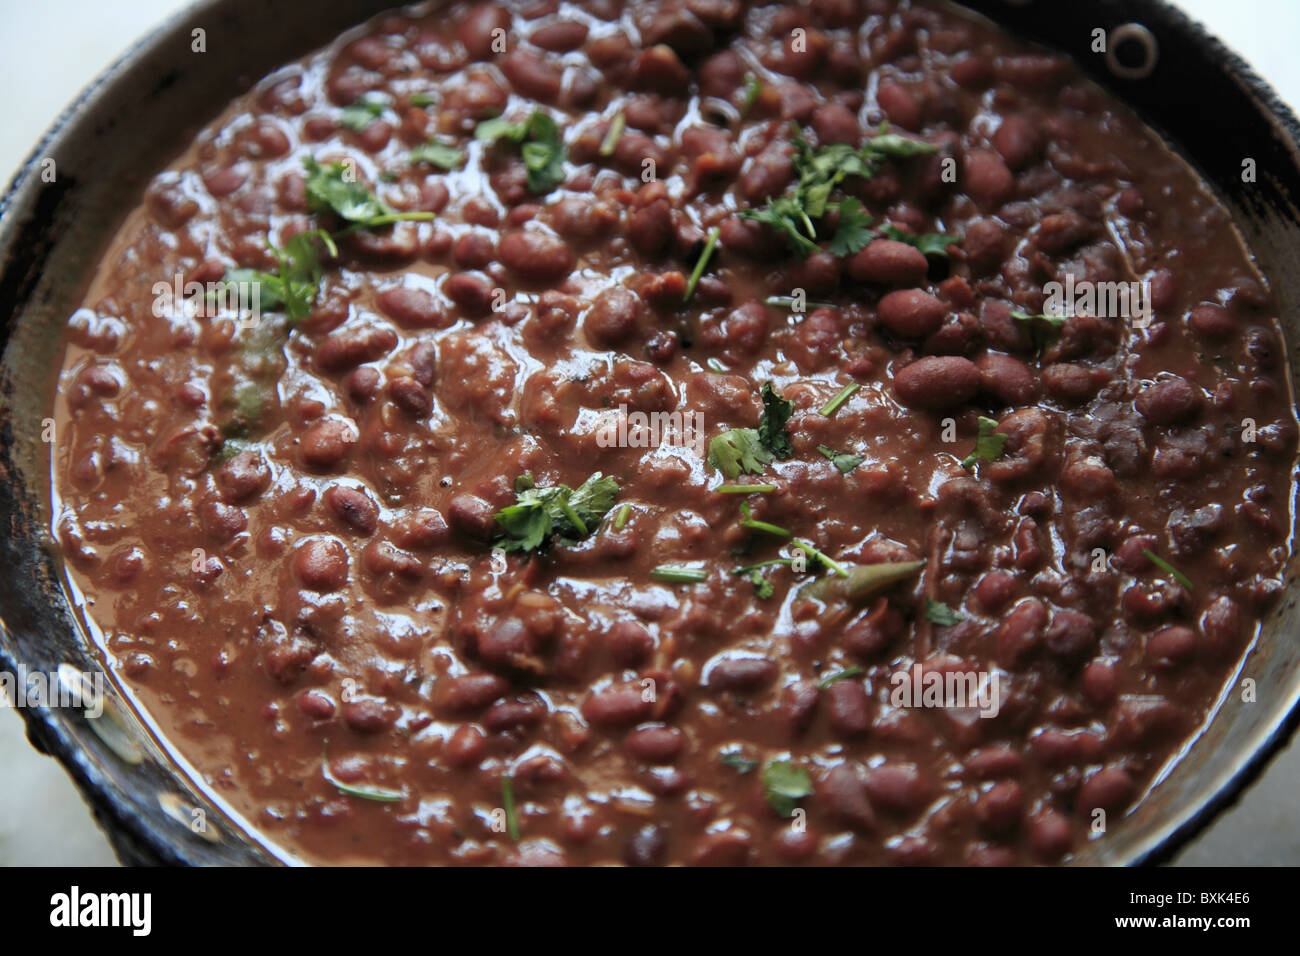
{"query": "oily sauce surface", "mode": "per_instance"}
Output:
(285, 531)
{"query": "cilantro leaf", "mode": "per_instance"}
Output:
(438, 154)
(846, 674)
(541, 146)
(335, 187)
(771, 427)
(737, 450)
(542, 514)
(885, 145)
(762, 586)
(739, 762)
(842, 460)
(941, 614)
(929, 244)
(853, 231)
(361, 113)
(785, 785)
(988, 444)
(295, 283)
(1168, 568)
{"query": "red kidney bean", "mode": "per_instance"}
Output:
(843, 796)
(370, 716)
(1171, 401)
(1001, 807)
(848, 708)
(1007, 378)
(617, 705)
(532, 76)
(1171, 646)
(354, 508)
(1110, 789)
(321, 564)
(535, 257)
(887, 262)
(465, 747)
(1050, 835)
(900, 105)
(613, 318)
(477, 30)
(654, 744)
(630, 643)
(911, 313)
(987, 179)
(1020, 632)
(937, 382)
(244, 476)
(471, 518)
(470, 693)
(897, 787)
(349, 348)
(740, 674)
(326, 443)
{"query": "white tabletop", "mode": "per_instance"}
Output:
(65, 43)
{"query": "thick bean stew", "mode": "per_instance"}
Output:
(688, 431)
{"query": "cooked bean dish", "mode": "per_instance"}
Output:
(690, 431)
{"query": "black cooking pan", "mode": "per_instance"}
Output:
(122, 129)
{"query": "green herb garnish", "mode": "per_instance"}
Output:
(819, 172)
(833, 406)
(541, 514)
(422, 99)
(541, 146)
(846, 674)
(621, 518)
(363, 791)
(785, 785)
(1168, 568)
(335, 187)
(988, 444)
(508, 804)
(294, 285)
(361, 113)
(842, 460)
(771, 427)
(825, 559)
(747, 521)
(739, 762)
(613, 134)
(738, 450)
(941, 614)
(437, 154)
(701, 263)
(745, 489)
(753, 87)
(930, 243)
(679, 575)
(762, 586)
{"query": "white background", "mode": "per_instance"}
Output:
(50, 49)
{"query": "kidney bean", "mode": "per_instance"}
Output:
(900, 105)
(384, 560)
(911, 313)
(1171, 401)
(1071, 635)
(654, 744)
(1171, 646)
(1018, 140)
(515, 715)
(244, 476)
(470, 693)
(985, 245)
(740, 675)
(316, 705)
(987, 179)
(648, 846)
(617, 705)
(326, 443)
(352, 347)
(729, 847)
(465, 747)
(659, 70)
(897, 787)
(370, 716)
(887, 262)
(799, 703)
(535, 257)
(321, 564)
(990, 763)
(836, 123)
(1020, 632)
(471, 518)
(848, 708)
(472, 291)
(843, 796)
(994, 591)
(747, 327)
(1001, 807)
(1007, 378)
(937, 382)
(559, 37)
(532, 76)
(613, 318)
(1110, 789)
(630, 643)
(1050, 835)
(478, 29)
(354, 508)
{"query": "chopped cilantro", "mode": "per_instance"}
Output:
(508, 804)
(941, 614)
(771, 427)
(737, 450)
(541, 514)
(335, 187)
(785, 785)
(842, 460)
(830, 408)
(846, 674)
(702, 263)
(361, 113)
(364, 791)
(438, 154)
(295, 283)
(1168, 568)
(541, 146)
(679, 575)
(930, 243)
(988, 444)
(747, 521)
(613, 134)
